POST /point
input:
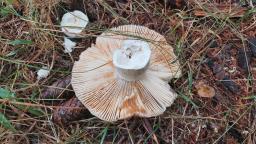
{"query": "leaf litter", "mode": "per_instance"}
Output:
(221, 66)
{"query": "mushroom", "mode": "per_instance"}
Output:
(68, 45)
(126, 74)
(73, 23)
(43, 73)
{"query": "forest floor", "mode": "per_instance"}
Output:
(214, 41)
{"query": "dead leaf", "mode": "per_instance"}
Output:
(205, 90)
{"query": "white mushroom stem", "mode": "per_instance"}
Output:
(132, 59)
(68, 45)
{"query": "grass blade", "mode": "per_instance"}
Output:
(20, 42)
(6, 94)
(6, 123)
(187, 99)
(104, 134)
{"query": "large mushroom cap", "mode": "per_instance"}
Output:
(97, 84)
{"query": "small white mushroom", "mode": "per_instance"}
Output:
(126, 74)
(73, 23)
(42, 73)
(68, 45)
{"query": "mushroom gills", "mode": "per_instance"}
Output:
(132, 59)
(132, 81)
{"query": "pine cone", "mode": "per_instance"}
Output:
(57, 88)
(70, 110)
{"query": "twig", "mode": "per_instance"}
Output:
(129, 133)
(35, 105)
(147, 126)
(172, 132)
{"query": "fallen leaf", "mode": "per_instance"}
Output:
(205, 90)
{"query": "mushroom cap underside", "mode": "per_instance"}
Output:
(110, 98)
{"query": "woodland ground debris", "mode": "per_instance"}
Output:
(37, 24)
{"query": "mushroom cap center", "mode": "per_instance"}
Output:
(132, 59)
(133, 55)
